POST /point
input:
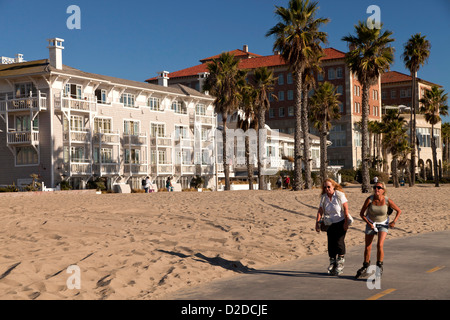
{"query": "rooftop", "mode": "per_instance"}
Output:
(251, 62)
(392, 77)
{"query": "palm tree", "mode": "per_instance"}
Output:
(324, 107)
(415, 54)
(247, 120)
(224, 82)
(370, 55)
(375, 128)
(396, 141)
(308, 83)
(297, 38)
(433, 106)
(445, 129)
(264, 82)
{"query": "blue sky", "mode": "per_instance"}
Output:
(135, 39)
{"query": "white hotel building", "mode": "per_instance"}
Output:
(65, 124)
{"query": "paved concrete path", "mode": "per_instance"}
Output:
(415, 268)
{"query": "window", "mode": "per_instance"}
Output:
(357, 90)
(280, 79)
(77, 154)
(320, 76)
(271, 113)
(131, 127)
(154, 104)
(281, 112)
(393, 94)
(24, 123)
(25, 90)
(200, 109)
(26, 155)
(158, 130)
(338, 135)
(73, 91)
(339, 89)
(290, 111)
(280, 95)
(290, 94)
(384, 94)
(375, 94)
(179, 107)
(103, 155)
(341, 107)
(76, 123)
(101, 95)
(375, 111)
(102, 125)
(339, 74)
(289, 78)
(127, 99)
(357, 107)
(181, 132)
(331, 74)
(132, 156)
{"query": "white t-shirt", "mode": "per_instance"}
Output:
(334, 208)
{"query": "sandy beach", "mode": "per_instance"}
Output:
(147, 246)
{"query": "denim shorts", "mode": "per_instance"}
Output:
(380, 227)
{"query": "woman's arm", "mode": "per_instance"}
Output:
(318, 218)
(397, 209)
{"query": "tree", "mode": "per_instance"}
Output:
(433, 106)
(370, 55)
(415, 54)
(308, 83)
(445, 130)
(395, 140)
(297, 38)
(225, 82)
(324, 107)
(264, 82)
(375, 128)
(247, 120)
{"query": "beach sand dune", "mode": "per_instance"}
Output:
(146, 246)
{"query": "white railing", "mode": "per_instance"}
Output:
(24, 104)
(77, 136)
(67, 103)
(135, 168)
(105, 168)
(79, 168)
(203, 119)
(139, 139)
(161, 142)
(111, 137)
(23, 137)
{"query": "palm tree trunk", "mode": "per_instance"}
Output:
(413, 140)
(435, 164)
(323, 151)
(306, 140)
(395, 171)
(249, 163)
(262, 125)
(365, 139)
(226, 168)
(298, 181)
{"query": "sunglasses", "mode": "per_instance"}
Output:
(327, 187)
(378, 187)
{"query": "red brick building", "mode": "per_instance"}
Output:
(345, 136)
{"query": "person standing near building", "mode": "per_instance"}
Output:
(375, 212)
(334, 215)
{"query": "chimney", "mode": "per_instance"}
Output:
(163, 78)
(201, 80)
(19, 58)
(245, 48)
(55, 50)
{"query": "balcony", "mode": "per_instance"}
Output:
(162, 169)
(23, 138)
(135, 139)
(208, 120)
(37, 103)
(185, 169)
(106, 138)
(68, 103)
(106, 169)
(78, 168)
(161, 142)
(82, 136)
(135, 169)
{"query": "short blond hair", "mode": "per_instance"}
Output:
(383, 185)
